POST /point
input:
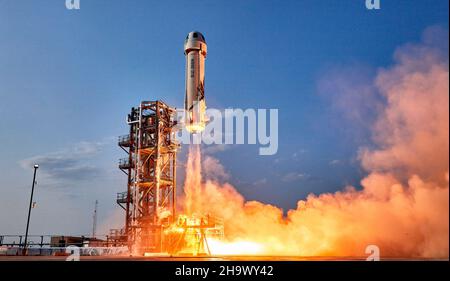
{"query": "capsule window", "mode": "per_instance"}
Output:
(195, 35)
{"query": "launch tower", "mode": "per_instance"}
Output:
(150, 199)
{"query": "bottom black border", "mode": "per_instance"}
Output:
(284, 270)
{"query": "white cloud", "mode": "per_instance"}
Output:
(335, 162)
(68, 165)
(260, 182)
(293, 176)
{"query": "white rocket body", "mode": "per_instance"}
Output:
(194, 103)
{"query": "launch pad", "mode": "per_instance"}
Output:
(151, 221)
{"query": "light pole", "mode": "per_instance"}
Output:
(24, 252)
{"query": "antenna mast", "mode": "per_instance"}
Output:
(94, 223)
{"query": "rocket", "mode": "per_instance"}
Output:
(194, 101)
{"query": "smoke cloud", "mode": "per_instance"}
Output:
(403, 207)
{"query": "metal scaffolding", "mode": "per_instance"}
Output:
(150, 199)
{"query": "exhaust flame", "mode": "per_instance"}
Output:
(196, 128)
(236, 248)
(193, 182)
(403, 207)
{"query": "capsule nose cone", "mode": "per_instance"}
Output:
(195, 35)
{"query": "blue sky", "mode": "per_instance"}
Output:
(68, 79)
